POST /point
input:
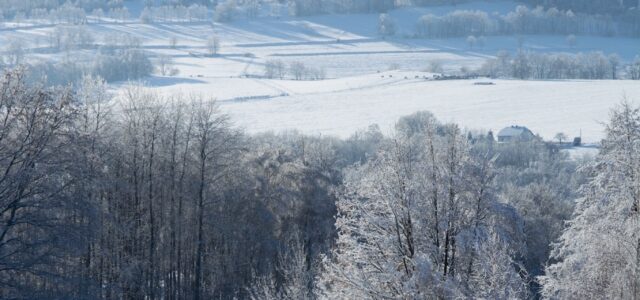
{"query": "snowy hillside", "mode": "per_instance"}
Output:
(546, 107)
(342, 106)
(360, 89)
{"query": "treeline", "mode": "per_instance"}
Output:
(144, 196)
(152, 197)
(67, 13)
(595, 6)
(533, 65)
(178, 13)
(625, 8)
(297, 70)
(119, 57)
(76, 12)
(311, 7)
(112, 65)
(462, 23)
(37, 8)
(604, 17)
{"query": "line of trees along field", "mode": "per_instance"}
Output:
(146, 196)
(524, 20)
(76, 12)
(532, 65)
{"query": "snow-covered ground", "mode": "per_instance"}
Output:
(583, 153)
(546, 107)
(361, 89)
(341, 106)
(343, 45)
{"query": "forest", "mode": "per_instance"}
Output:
(163, 198)
(130, 169)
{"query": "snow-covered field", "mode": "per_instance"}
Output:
(361, 88)
(546, 107)
(342, 106)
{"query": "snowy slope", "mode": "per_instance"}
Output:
(341, 106)
(360, 90)
(546, 107)
(344, 45)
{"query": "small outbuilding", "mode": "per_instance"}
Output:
(514, 134)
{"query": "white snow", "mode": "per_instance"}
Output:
(546, 107)
(339, 107)
(361, 90)
(583, 152)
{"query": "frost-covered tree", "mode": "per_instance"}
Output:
(435, 66)
(225, 11)
(146, 16)
(471, 41)
(417, 219)
(252, 8)
(614, 63)
(165, 65)
(173, 42)
(122, 65)
(274, 68)
(525, 64)
(386, 25)
(524, 21)
(634, 69)
(459, 23)
(213, 45)
(291, 279)
(521, 66)
(119, 14)
(495, 276)
(598, 254)
(67, 38)
(298, 70)
(44, 218)
(98, 13)
(15, 51)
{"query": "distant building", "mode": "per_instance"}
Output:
(577, 142)
(515, 133)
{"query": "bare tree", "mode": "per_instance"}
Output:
(213, 45)
(386, 25)
(298, 70)
(15, 50)
(614, 63)
(560, 137)
(435, 66)
(165, 65)
(634, 69)
(274, 68)
(213, 150)
(173, 42)
(41, 212)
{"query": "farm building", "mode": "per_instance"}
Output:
(515, 133)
